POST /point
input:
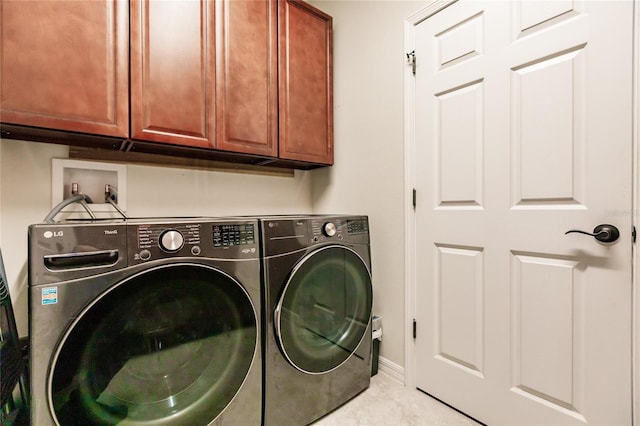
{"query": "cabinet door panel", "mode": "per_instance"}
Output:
(172, 71)
(306, 83)
(247, 91)
(64, 65)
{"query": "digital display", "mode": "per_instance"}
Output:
(233, 235)
(357, 226)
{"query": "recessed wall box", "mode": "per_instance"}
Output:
(91, 178)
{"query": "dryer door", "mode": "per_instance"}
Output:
(324, 310)
(171, 345)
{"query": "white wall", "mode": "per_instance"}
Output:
(368, 175)
(25, 198)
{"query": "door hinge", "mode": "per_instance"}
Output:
(414, 328)
(411, 59)
(414, 198)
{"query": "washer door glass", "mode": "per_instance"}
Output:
(324, 310)
(171, 345)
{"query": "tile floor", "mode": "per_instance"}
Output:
(388, 402)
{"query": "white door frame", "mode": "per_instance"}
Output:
(635, 370)
(410, 181)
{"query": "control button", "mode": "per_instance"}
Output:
(171, 241)
(195, 250)
(340, 237)
(329, 229)
(145, 254)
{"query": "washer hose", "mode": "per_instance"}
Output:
(79, 198)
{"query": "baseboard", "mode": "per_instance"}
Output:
(391, 369)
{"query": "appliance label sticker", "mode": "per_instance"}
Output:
(49, 295)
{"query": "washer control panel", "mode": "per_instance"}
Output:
(225, 240)
(168, 238)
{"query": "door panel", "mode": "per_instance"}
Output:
(172, 344)
(306, 82)
(459, 335)
(523, 120)
(246, 77)
(324, 310)
(65, 65)
(172, 60)
(547, 313)
(548, 160)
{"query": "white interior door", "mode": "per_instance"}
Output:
(522, 132)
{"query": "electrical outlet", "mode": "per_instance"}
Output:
(91, 178)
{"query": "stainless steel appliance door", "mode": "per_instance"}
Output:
(170, 345)
(324, 310)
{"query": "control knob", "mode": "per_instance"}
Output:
(171, 240)
(329, 229)
(145, 254)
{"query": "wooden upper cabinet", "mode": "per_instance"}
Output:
(246, 76)
(64, 65)
(306, 83)
(172, 72)
(243, 76)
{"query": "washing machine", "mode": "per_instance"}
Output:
(145, 322)
(317, 313)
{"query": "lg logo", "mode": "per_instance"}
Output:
(49, 234)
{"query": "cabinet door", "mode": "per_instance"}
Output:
(172, 72)
(65, 65)
(246, 77)
(306, 83)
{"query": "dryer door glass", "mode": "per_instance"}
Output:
(324, 311)
(171, 345)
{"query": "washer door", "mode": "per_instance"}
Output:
(171, 345)
(324, 310)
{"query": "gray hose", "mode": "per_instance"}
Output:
(80, 198)
(115, 206)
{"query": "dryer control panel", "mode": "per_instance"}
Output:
(286, 234)
(354, 229)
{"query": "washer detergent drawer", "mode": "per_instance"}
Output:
(81, 260)
(60, 252)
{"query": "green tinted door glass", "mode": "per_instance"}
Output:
(169, 346)
(325, 309)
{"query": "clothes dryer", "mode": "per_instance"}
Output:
(318, 299)
(145, 322)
